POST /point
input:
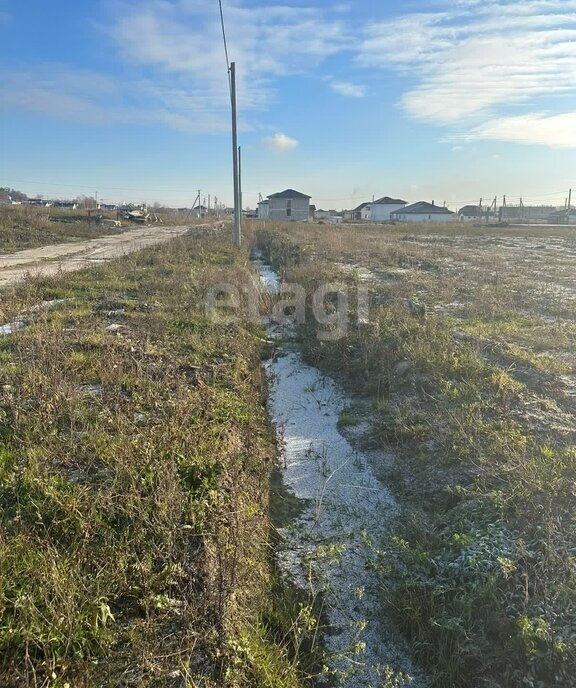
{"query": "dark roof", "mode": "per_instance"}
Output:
(386, 200)
(471, 211)
(361, 206)
(289, 193)
(424, 208)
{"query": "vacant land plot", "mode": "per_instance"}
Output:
(468, 359)
(134, 474)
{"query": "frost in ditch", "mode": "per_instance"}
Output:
(328, 549)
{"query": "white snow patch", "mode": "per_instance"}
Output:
(10, 328)
(270, 280)
(329, 548)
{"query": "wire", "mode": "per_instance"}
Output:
(100, 187)
(225, 44)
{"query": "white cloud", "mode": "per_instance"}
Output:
(473, 60)
(558, 131)
(91, 98)
(345, 88)
(343, 7)
(280, 143)
(463, 66)
(171, 66)
(183, 41)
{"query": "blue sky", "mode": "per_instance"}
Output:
(450, 100)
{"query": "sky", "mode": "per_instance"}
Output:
(445, 100)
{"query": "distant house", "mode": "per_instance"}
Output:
(470, 213)
(423, 212)
(382, 209)
(332, 216)
(264, 210)
(199, 211)
(289, 205)
(362, 212)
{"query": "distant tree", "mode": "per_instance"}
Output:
(7, 194)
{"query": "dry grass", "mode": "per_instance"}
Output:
(23, 227)
(481, 419)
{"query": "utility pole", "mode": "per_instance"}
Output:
(196, 200)
(493, 206)
(240, 179)
(236, 166)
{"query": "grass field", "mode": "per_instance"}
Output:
(135, 457)
(469, 363)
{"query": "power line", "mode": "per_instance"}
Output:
(100, 186)
(224, 39)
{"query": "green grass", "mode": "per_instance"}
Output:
(347, 420)
(134, 485)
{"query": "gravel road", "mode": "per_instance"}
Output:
(47, 260)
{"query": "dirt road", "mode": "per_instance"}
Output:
(48, 260)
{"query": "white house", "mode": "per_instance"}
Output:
(289, 205)
(382, 209)
(470, 213)
(423, 212)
